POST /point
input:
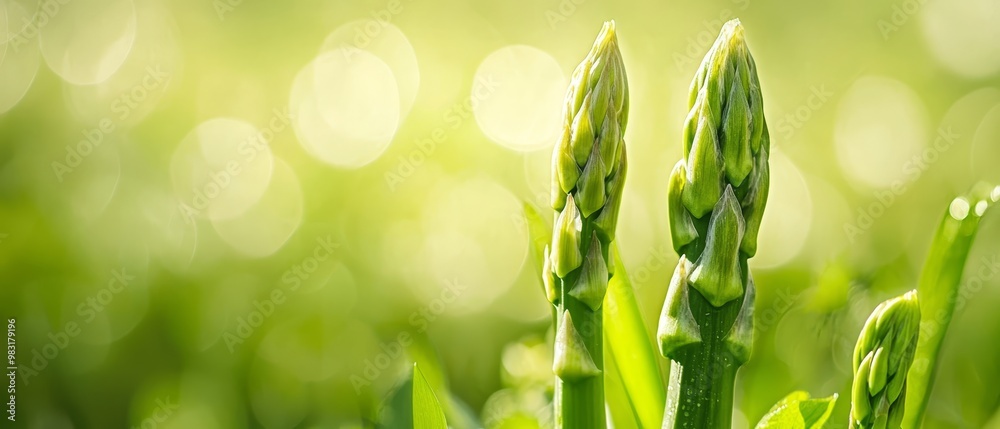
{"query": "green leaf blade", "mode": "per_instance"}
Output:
(427, 411)
(939, 286)
(798, 411)
(629, 346)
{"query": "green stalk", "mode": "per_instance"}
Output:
(589, 165)
(940, 284)
(882, 358)
(717, 194)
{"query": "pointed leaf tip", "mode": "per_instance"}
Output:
(427, 411)
(572, 360)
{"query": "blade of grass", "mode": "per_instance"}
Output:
(427, 412)
(423, 354)
(621, 414)
(630, 347)
(939, 286)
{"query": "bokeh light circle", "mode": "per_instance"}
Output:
(134, 90)
(86, 41)
(881, 125)
(221, 169)
(388, 43)
(517, 96)
(266, 226)
(356, 94)
(345, 107)
(962, 35)
(19, 57)
(474, 247)
(787, 220)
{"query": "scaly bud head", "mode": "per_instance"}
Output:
(882, 359)
(588, 155)
(588, 161)
(718, 191)
(726, 91)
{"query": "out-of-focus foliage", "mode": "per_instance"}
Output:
(798, 411)
(247, 213)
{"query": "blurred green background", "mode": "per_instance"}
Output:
(250, 213)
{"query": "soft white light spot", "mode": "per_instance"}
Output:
(221, 169)
(356, 94)
(475, 245)
(86, 41)
(135, 89)
(19, 56)
(788, 217)
(959, 208)
(962, 35)
(517, 97)
(388, 43)
(981, 207)
(881, 125)
(266, 226)
(345, 107)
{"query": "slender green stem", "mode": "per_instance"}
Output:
(581, 402)
(939, 287)
(700, 394)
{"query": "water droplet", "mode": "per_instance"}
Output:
(996, 194)
(959, 208)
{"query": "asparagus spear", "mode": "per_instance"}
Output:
(588, 176)
(882, 359)
(716, 198)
